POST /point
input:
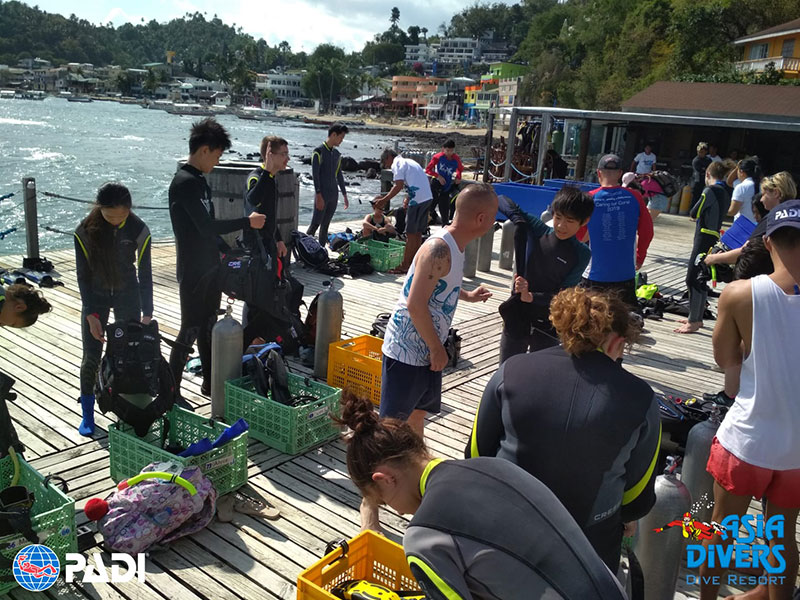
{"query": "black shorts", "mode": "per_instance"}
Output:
(406, 388)
(417, 217)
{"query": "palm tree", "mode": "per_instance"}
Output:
(424, 32)
(395, 17)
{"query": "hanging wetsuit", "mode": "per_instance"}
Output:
(486, 530)
(590, 434)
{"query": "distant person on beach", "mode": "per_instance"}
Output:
(408, 175)
(644, 162)
(326, 171)
(414, 354)
(620, 232)
(197, 245)
(445, 170)
(377, 226)
(756, 452)
(699, 165)
(548, 260)
(112, 259)
(708, 213)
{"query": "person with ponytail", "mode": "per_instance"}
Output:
(749, 175)
(592, 433)
(21, 305)
(112, 256)
(482, 528)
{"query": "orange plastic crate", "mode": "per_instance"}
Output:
(356, 364)
(369, 556)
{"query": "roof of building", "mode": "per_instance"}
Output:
(782, 29)
(727, 100)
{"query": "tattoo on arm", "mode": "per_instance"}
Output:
(439, 253)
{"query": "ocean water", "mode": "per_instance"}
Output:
(72, 148)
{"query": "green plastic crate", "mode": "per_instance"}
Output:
(383, 255)
(53, 512)
(225, 466)
(290, 429)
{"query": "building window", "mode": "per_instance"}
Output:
(787, 50)
(758, 51)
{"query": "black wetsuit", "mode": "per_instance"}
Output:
(590, 433)
(261, 196)
(197, 245)
(549, 265)
(131, 296)
(326, 171)
(486, 530)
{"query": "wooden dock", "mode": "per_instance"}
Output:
(252, 559)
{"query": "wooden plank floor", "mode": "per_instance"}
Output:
(253, 559)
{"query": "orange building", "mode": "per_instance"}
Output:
(779, 45)
(413, 92)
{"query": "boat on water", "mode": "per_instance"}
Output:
(195, 110)
(158, 104)
(30, 95)
(79, 99)
(7, 94)
(255, 113)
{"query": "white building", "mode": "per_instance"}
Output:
(285, 86)
(420, 53)
(459, 50)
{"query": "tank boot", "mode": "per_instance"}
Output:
(86, 427)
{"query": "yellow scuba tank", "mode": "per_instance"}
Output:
(366, 590)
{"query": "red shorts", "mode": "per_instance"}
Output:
(743, 479)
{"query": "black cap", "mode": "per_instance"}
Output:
(786, 214)
(611, 162)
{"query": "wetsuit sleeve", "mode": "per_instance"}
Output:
(256, 188)
(84, 274)
(340, 177)
(188, 198)
(460, 168)
(487, 429)
(436, 563)
(711, 215)
(640, 471)
(695, 211)
(645, 229)
(316, 165)
(431, 168)
(575, 276)
(144, 269)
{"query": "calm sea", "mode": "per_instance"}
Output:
(72, 148)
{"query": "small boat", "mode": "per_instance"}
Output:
(7, 94)
(78, 99)
(30, 95)
(255, 113)
(158, 104)
(195, 110)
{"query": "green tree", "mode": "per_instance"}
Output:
(150, 82)
(413, 34)
(424, 31)
(394, 19)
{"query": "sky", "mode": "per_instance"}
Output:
(303, 23)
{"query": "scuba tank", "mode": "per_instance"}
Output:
(694, 475)
(330, 314)
(485, 244)
(227, 340)
(660, 553)
(507, 246)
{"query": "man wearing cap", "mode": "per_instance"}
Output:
(619, 215)
(756, 452)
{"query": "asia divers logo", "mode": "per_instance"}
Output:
(737, 542)
(36, 568)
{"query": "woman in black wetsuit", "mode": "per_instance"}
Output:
(576, 420)
(112, 256)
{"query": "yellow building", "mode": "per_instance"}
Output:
(779, 45)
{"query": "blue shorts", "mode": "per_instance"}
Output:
(405, 388)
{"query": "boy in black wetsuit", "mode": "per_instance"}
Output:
(549, 259)
(197, 244)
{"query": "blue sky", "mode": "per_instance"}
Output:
(303, 23)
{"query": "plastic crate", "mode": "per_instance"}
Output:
(356, 364)
(383, 255)
(53, 512)
(290, 429)
(369, 556)
(225, 466)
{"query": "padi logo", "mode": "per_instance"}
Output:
(118, 333)
(787, 213)
(36, 568)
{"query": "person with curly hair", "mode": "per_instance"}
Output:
(592, 433)
(502, 531)
(21, 304)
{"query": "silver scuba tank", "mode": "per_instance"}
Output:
(694, 475)
(660, 553)
(330, 314)
(507, 246)
(227, 338)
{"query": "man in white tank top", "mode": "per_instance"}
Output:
(757, 449)
(413, 347)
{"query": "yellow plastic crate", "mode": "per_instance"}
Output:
(369, 556)
(356, 364)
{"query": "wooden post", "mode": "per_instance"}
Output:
(580, 166)
(471, 258)
(31, 216)
(485, 244)
(487, 155)
(544, 133)
(511, 141)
